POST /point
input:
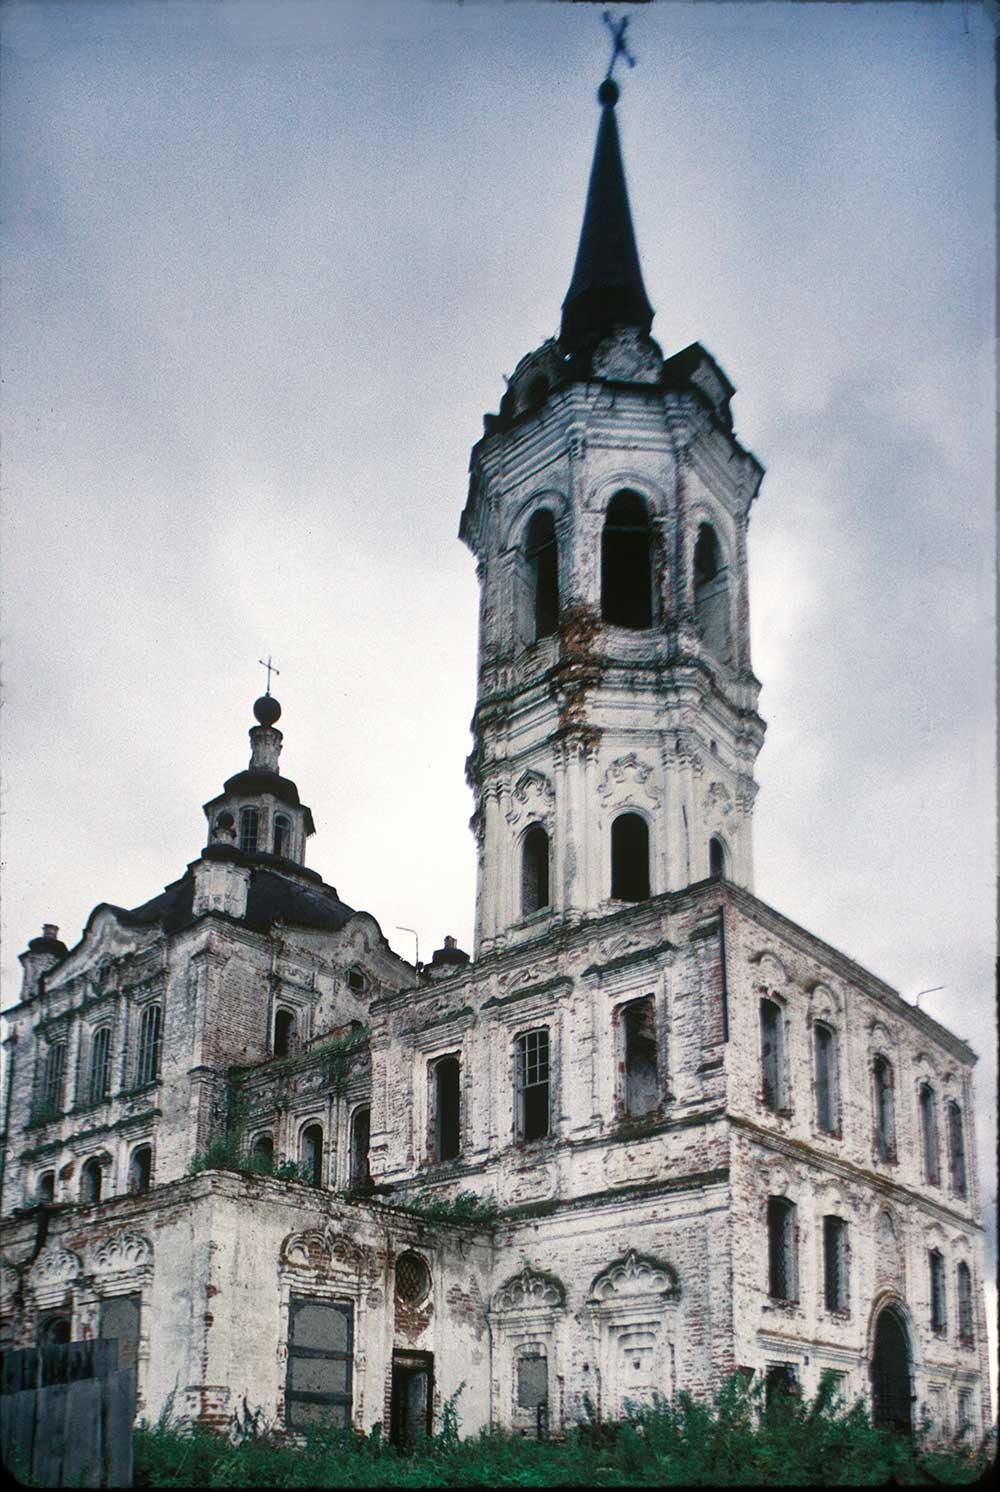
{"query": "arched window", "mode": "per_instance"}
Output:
(772, 1056)
(534, 870)
(311, 1154)
(140, 1170)
(642, 1085)
(956, 1150)
(100, 1065)
(928, 1134)
(716, 858)
(782, 1271)
(885, 1119)
(52, 1078)
(90, 1182)
(360, 1145)
(249, 828)
(711, 592)
(54, 1331)
(284, 1032)
(46, 1188)
(531, 1086)
(282, 833)
(262, 1154)
(826, 1078)
(964, 1291)
(147, 1067)
(447, 1108)
(626, 572)
(629, 858)
(542, 559)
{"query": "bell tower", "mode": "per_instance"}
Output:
(616, 725)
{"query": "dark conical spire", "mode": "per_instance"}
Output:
(606, 290)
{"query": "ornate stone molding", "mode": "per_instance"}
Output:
(530, 1290)
(631, 770)
(634, 1275)
(55, 1266)
(123, 1253)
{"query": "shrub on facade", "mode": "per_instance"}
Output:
(735, 1441)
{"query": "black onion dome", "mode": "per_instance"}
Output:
(267, 709)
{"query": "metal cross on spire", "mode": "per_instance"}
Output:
(617, 29)
(270, 670)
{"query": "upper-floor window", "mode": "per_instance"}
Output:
(531, 1078)
(963, 1280)
(885, 1119)
(249, 828)
(53, 1075)
(938, 1316)
(534, 870)
(541, 554)
(772, 1055)
(262, 1153)
(835, 1263)
(447, 1108)
(45, 1191)
(956, 1150)
(928, 1133)
(90, 1182)
(626, 571)
(711, 592)
(99, 1084)
(311, 1154)
(629, 858)
(716, 857)
(356, 981)
(642, 1094)
(360, 1145)
(282, 833)
(826, 1078)
(284, 1032)
(781, 1241)
(140, 1169)
(147, 1067)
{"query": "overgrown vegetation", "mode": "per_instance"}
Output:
(737, 1441)
(464, 1207)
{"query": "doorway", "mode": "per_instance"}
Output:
(891, 1392)
(412, 1397)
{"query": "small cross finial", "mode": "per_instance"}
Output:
(270, 670)
(618, 47)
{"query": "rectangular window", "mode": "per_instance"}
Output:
(52, 1078)
(120, 1316)
(532, 1380)
(835, 1263)
(771, 1055)
(885, 1126)
(447, 1108)
(100, 1065)
(641, 1078)
(965, 1424)
(928, 1131)
(148, 1057)
(532, 1080)
(956, 1150)
(320, 1362)
(964, 1283)
(826, 1105)
(782, 1283)
(938, 1318)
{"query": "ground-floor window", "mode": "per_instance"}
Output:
(320, 1362)
(120, 1320)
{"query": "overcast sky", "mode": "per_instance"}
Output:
(265, 266)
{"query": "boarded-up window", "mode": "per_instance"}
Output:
(532, 1380)
(772, 1056)
(782, 1274)
(826, 1107)
(885, 1124)
(956, 1150)
(320, 1362)
(964, 1283)
(928, 1133)
(835, 1263)
(938, 1313)
(641, 1076)
(120, 1317)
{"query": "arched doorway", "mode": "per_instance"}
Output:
(891, 1391)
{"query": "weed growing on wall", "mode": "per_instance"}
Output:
(735, 1441)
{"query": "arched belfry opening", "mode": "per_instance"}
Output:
(534, 870)
(630, 858)
(541, 577)
(626, 569)
(711, 592)
(892, 1402)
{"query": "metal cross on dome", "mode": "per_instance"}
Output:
(617, 29)
(270, 670)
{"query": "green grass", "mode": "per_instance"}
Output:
(734, 1441)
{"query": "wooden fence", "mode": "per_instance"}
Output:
(66, 1415)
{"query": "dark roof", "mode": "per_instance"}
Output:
(250, 781)
(48, 945)
(606, 289)
(171, 909)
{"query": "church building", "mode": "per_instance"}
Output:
(650, 1134)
